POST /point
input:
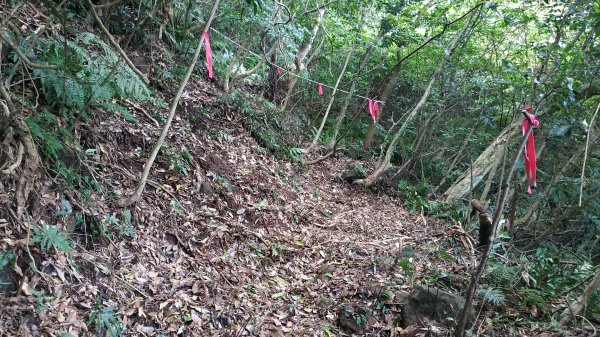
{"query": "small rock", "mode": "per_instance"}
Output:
(7, 282)
(224, 320)
(356, 153)
(434, 304)
(325, 272)
(385, 262)
(324, 303)
(206, 187)
(354, 172)
(352, 320)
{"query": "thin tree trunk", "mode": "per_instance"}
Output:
(585, 155)
(337, 83)
(128, 200)
(373, 177)
(385, 94)
(456, 159)
(416, 146)
(490, 179)
(239, 54)
(555, 179)
(363, 61)
(301, 56)
(459, 331)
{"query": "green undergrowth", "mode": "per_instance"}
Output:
(274, 130)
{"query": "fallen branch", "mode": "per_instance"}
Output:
(585, 156)
(575, 308)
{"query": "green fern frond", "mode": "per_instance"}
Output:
(492, 295)
(49, 237)
(119, 109)
(74, 94)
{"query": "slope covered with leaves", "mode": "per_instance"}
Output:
(234, 235)
(226, 238)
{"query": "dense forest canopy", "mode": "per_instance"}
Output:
(329, 145)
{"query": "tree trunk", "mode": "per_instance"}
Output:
(363, 61)
(335, 88)
(301, 56)
(385, 164)
(483, 164)
(384, 97)
(128, 200)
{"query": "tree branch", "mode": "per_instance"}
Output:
(462, 320)
(23, 56)
(114, 44)
(126, 201)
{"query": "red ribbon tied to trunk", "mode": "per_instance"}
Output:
(529, 153)
(373, 109)
(208, 54)
(320, 89)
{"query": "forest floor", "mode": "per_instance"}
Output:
(227, 240)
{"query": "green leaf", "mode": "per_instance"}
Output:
(7, 258)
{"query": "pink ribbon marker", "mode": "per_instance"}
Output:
(320, 89)
(529, 153)
(279, 71)
(372, 109)
(208, 54)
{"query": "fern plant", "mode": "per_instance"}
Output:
(90, 73)
(7, 258)
(51, 238)
(295, 154)
(492, 295)
(105, 319)
(47, 129)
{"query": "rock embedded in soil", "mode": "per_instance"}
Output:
(353, 172)
(431, 303)
(352, 319)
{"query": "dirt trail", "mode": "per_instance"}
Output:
(241, 243)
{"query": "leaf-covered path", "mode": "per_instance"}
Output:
(227, 239)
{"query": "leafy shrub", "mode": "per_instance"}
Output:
(415, 195)
(7, 258)
(274, 130)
